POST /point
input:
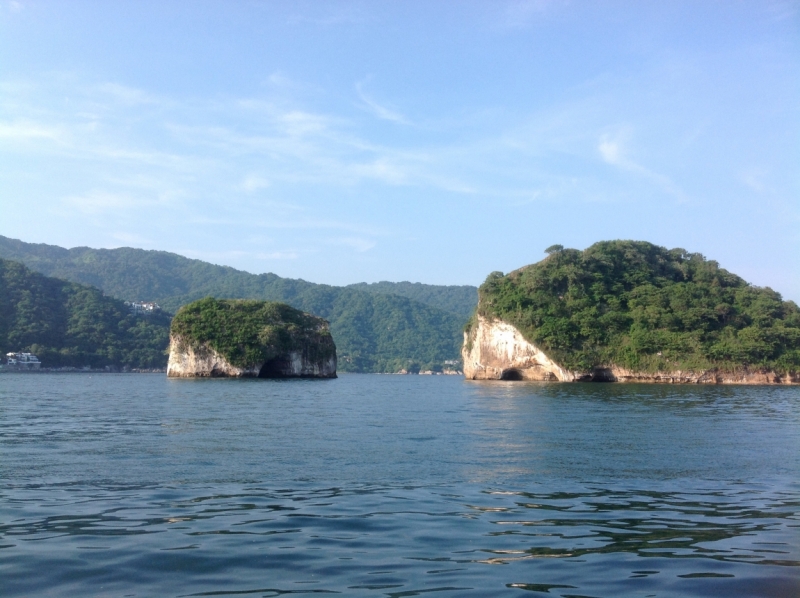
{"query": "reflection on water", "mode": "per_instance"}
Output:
(396, 486)
(600, 431)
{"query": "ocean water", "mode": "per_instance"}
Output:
(136, 485)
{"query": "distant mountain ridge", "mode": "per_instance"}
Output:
(374, 330)
(157, 274)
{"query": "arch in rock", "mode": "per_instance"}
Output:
(274, 368)
(511, 374)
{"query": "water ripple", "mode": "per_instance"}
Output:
(396, 486)
(383, 540)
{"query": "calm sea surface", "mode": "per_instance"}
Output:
(135, 485)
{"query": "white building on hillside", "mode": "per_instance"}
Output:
(143, 307)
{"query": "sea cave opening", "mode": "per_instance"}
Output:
(511, 374)
(274, 368)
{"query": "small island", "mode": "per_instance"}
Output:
(244, 338)
(630, 311)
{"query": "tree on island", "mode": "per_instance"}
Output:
(555, 249)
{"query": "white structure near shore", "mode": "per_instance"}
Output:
(23, 361)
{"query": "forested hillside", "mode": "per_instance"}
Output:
(645, 308)
(373, 331)
(459, 300)
(68, 324)
(174, 280)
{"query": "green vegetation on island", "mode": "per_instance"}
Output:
(383, 327)
(73, 325)
(248, 332)
(643, 307)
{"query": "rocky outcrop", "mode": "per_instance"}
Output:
(186, 361)
(744, 376)
(239, 339)
(496, 350)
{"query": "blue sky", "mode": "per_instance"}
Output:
(427, 141)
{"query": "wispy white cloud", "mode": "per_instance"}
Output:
(280, 80)
(129, 95)
(298, 123)
(126, 198)
(290, 144)
(532, 197)
(254, 182)
(382, 169)
(102, 201)
(754, 178)
(358, 243)
(260, 220)
(278, 255)
(379, 110)
(25, 129)
(612, 150)
(196, 150)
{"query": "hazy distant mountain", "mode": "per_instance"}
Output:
(374, 330)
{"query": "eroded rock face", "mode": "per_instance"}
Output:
(496, 350)
(618, 374)
(186, 361)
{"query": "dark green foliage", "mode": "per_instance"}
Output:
(373, 331)
(248, 333)
(647, 308)
(384, 333)
(69, 324)
(459, 300)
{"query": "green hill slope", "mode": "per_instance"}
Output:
(459, 300)
(373, 332)
(175, 280)
(68, 324)
(646, 308)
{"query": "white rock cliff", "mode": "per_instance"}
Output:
(496, 350)
(186, 361)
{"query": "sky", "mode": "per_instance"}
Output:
(430, 141)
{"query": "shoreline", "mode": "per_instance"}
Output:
(68, 370)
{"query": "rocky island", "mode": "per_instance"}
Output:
(630, 311)
(242, 338)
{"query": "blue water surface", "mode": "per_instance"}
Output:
(136, 485)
